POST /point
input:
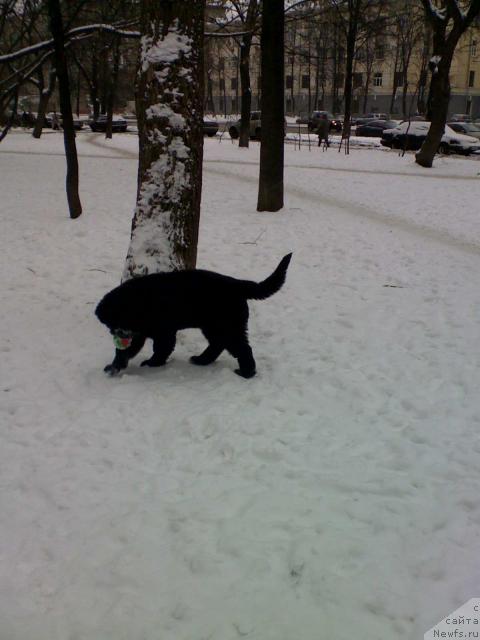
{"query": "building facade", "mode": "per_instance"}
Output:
(390, 73)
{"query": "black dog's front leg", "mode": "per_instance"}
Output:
(122, 356)
(163, 347)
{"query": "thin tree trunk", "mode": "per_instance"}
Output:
(246, 105)
(354, 13)
(170, 113)
(245, 79)
(44, 98)
(112, 90)
(395, 79)
(270, 192)
(56, 27)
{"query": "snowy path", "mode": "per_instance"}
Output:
(334, 496)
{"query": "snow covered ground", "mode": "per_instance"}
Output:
(334, 496)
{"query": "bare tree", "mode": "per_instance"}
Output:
(58, 33)
(448, 22)
(408, 30)
(170, 112)
(270, 189)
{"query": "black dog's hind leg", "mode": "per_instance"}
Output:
(215, 347)
(162, 349)
(122, 356)
(208, 356)
(242, 351)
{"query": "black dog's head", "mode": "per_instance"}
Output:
(114, 312)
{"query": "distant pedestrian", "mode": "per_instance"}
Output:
(323, 129)
(25, 119)
(55, 122)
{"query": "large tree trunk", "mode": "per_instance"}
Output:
(270, 191)
(439, 96)
(437, 114)
(170, 113)
(56, 27)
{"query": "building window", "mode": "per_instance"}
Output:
(360, 54)
(378, 79)
(471, 79)
(233, 84)
(473, 49)
(357, 80)
(305, 82)
(289, 82)
(379, 50)
(398, 79)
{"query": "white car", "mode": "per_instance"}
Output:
(410, 135)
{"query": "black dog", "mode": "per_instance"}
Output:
(158, 305)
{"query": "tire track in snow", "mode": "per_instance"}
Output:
(431, 176)
(437, 236)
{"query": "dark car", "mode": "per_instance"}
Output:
(210, 128)
(468, 128)
(303, 119)
(363, 119)
(100, 124)
(411, 135)
(374, 128)
(336, 124)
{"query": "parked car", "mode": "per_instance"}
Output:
(468, 128)
(53, 120)
(303, 119)
(374, 128)
(336, 124)
(210, 128)
(461, 117)
(378, 116)
(410, 135)
(255, 126)
(100, 124)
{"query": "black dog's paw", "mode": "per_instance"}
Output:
(151, 362)
(245, 374)
(112, 370)
(198, 360)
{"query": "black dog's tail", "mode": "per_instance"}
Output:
(269, 286)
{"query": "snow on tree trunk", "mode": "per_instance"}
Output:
(439, 100)
(170, 115)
